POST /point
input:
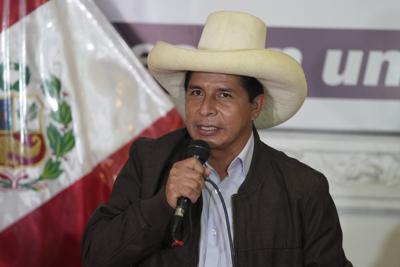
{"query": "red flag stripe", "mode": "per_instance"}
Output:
(13, 10)
(50, 235)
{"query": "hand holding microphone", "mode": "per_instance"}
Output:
(185, 183)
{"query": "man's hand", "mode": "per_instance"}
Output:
(186, 179)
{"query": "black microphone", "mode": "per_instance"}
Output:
(200, 150)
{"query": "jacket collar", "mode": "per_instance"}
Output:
(260, 167)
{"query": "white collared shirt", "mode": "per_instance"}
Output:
(214, 241)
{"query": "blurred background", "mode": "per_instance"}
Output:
(75, 93)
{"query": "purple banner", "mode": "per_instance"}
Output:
(339, 63)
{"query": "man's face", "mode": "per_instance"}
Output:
(218, 110)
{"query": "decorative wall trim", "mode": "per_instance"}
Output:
(363, 170)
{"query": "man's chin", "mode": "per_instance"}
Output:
(206, 138)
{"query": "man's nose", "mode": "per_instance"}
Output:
(208, 106)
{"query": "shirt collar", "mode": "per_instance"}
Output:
(245, 155)
(242, 161)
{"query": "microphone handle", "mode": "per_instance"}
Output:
(200, 151)
(182, 206)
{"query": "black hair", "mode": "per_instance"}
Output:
(252, 86)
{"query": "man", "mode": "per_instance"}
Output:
(280, 210)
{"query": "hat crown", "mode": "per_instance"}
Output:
(227, 30)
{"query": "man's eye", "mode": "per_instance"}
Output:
(224, 94)
(195, 92)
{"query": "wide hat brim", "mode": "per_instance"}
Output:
(282, 77)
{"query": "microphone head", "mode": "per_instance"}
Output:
(198, 149)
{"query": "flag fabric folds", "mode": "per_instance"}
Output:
(72, 99)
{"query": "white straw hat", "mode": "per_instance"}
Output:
(234, 43)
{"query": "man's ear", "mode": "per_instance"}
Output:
(257, 106)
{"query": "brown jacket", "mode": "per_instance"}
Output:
(283, 214)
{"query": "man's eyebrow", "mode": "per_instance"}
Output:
(226, 88)
(194, 86)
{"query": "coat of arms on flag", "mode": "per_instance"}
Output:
(34, 144)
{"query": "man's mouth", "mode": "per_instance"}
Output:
(207, 129)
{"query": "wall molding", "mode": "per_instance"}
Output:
(363, 170)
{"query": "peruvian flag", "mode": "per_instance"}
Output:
(72, 99)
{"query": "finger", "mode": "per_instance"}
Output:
(195, 184)
(193, 180)
(185, 187)
(191, 193)
(180, 175)
(182, 190)
(194, 164)
(171, 195)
